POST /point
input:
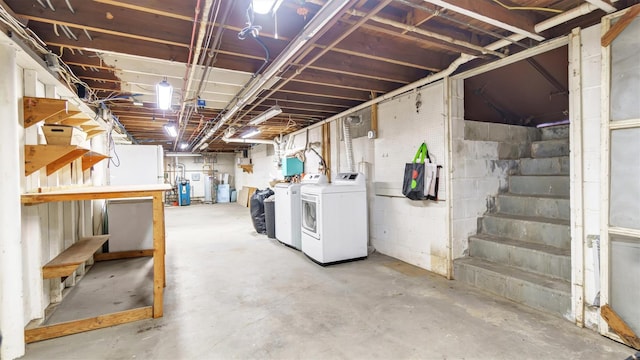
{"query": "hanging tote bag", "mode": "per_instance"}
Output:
(413, 185)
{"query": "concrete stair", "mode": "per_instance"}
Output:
(522, 250)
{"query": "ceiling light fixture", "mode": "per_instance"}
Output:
(266, 6)
(271, 112)
(251, 133)
(183, 146)
(164, 92)
(170, 129)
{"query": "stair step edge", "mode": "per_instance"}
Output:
(551, 250)
(559, 286)
(537, 219)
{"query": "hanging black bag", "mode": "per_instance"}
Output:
(413, 185)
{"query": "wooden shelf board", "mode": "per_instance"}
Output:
(38, 156)
(93, 133)
(38, 109)
(75, 121)
(68, 261)
(90, 127)
(91, 158)
(247, 168)
(96, 192)
(65, 159)
(60, 116)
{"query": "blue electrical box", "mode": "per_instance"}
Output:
(184, 193)
(292, 166)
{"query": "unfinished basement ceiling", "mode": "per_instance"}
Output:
(529, 92)
(121, 49)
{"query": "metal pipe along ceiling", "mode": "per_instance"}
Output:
(316, 25)
(190, 71)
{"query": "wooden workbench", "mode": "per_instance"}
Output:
(155, 192)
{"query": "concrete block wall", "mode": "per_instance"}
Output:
(591, 119)
(483, 155)
(264, 169)
(413, 231)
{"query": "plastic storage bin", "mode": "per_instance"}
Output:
(270, 217)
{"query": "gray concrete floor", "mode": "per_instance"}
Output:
(232, 293)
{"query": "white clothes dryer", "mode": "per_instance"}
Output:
(334, 220)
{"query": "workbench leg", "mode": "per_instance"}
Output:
(158, 254)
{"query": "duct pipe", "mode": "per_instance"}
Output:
(324, 15)
(183, 176)
(348, 144)
(583, 9)
(194, 62)
(486, 19)
(464, 58)
(547, 24)
(603, 5)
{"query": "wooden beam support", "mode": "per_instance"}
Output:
(91, 158)
(53, 157)
(65, 159)
(122, 255)
(618, 325)
(620, 25)
(78, 326)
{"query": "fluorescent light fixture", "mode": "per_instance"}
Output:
(271, 112)
(266, 6)
(138, 103)
(183, 146)
(164, 92)
(250, 133)
(170, 129)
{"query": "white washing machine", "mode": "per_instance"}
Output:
(334, 220)
(288, 212)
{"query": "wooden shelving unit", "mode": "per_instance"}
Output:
(55, 157)
(65, 263)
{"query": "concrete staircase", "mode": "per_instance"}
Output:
(522, 249)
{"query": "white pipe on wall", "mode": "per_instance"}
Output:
(11, 291)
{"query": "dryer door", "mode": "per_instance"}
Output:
(310, 215)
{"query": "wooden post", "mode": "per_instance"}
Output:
(158, 254)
